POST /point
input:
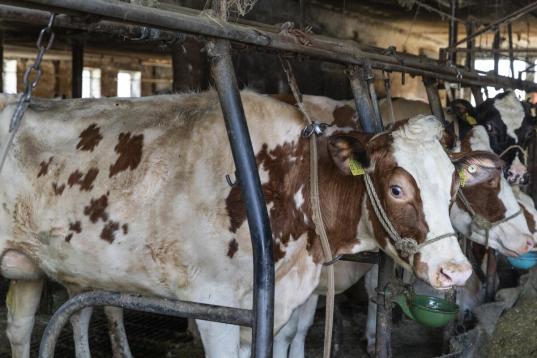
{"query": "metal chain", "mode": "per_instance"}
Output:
(44, 42)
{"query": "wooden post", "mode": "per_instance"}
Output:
(511, 56)
(77, 66)
(453, 33)
(478, 95)
(470, 55)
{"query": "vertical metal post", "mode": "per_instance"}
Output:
(77, 66)
(511, 55)
(250, 185)
(453, 33)
(388, 89)
(478, 95)
(490, 288)
(1, 61)
(470, 55)
(451, 296)
(434, 99)
(496, 47)
(383, 342)
(364, 106)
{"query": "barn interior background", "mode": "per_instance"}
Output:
(134, 64)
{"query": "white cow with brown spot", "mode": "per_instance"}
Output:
(130, 195)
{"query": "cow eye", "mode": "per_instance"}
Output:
(396, 191)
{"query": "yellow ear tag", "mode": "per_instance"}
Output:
(462, 177)
(470, 119)
(356, 167)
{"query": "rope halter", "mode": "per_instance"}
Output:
(479, 222)
(522, 150)
(407, 246)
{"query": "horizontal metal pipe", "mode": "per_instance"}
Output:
(340, 51)
(162, 306)
(364, 257)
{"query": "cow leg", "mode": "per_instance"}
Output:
(285, 336)
(219, 339)
(22, 302)
(371, 326)
(116, 330)
(305, 315)
(80, 323)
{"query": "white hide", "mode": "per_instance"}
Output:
(511, 111)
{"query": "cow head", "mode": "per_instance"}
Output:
(508, 124)
(415, 181)
(492, 200)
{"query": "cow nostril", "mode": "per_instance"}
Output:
(530, 244)
(445, 277)
(525, 178)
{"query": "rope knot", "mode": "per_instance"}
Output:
(481, 223)
(407, 246)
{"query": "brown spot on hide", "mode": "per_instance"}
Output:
(97, 209)
(345, 116)
(484, 200)
(58, 189)
(125, 228)
(76, 227)
(69, 237)
(420, 267)
(43, 167)
(529, 219)
(85, 181)
(89, 138)
(233, 248)
(130, 153)
(108, 231)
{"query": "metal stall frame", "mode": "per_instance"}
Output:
(167, 23)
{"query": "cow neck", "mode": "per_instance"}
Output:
(479, 222)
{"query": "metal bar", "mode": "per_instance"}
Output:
(370, 80)
(77, 67)
(325, 48)
(470, 45)
(496, 46)
(434, 99)
(2, 61)
(383, 343)
(250, 185)
(504, 20)
(478, 95)
(388, 89)
(163, 306)
(364, 257)
(452, 38)
(363, 103)
(511, 56)
(490, 284)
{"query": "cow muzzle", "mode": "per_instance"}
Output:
(452, 274)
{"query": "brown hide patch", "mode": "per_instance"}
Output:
(97, 209)
(484, 200)
(43, 167)
(89, 138)
(420, 267)
(130, 153)
(125, 228)
(345, 116)
(85, 181)
(233, 247)
(76, 227)
(529, 218)
(108, 233)
(58, 189)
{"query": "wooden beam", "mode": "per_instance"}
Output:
(77, 66)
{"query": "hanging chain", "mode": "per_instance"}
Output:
(44, 42)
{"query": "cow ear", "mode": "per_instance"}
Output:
(348, 151)
(464, 111)
(476, 167)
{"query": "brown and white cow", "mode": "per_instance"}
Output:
(130, 195)
(492, 199)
